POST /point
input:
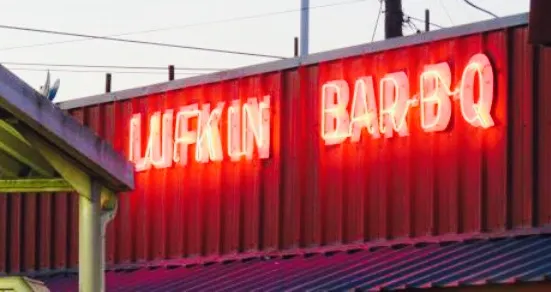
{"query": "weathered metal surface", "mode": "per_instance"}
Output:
(463, 180)
(458, 264)
(34, 185)
(76, 142)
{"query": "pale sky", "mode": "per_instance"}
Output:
(349, 22)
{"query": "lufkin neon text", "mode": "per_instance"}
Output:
(170, 135)
(338, 123)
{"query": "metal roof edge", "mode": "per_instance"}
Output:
(299, 252)
(441, 34)
(57, 128)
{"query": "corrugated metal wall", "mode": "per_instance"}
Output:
(459, 181)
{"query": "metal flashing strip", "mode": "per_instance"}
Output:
(462, 30)
(445, 264)
(38, 115)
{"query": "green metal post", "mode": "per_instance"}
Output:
(89, 252)
(92, 221)
(106, 217)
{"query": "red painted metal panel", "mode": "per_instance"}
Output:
(29, 231)
(290, 165)
(44, 230)
(446, 163)
(543, 114)
(495, 177)
(522, 126)
(14, 227)
(307, 194)
(61, 232)
(422, 182)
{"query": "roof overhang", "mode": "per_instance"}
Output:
(22, 109)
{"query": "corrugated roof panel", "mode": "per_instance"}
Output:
(459, 263)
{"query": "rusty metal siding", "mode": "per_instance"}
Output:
(459, 181)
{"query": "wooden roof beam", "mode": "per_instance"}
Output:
(12, 143)
(34, 185)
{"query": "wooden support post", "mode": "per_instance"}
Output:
(34, 185)
(427, 20)
(108, 82)
(91, 197)
(171, 72)
(89, 240)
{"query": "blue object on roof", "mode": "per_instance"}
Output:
(473, 262)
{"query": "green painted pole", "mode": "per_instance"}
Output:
(90, 243)
(106, 217)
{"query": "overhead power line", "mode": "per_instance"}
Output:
(446, 11)
(254, 16)
(377, 20)
(100, 71)
(37, 30)
(411, 25)
(110, 66)
(481, 9)
(409, 17)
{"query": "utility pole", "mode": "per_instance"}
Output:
(427, 20)
(170, 72)
(304, 23)
(394, 18)
(108, 82)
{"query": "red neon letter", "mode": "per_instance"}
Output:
(364, 110)
(135, 144)
(394, 104)
(183, 137)
(477, 114)
(434, 97)
(255, 128)
(159, 144)
(209, 146)
(161, 155)
(334, 117)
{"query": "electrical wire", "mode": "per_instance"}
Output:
(110, 66)
(37, 30)
(377, 21)
(481, 9)
(100, 71)
(423, 21)
(412, 25)
(446, 11)
(187, 25)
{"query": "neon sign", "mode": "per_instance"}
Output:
(173, 132)
(389, 116)
(170, 135)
